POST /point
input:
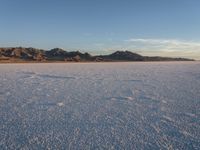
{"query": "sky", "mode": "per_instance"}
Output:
(148, 27)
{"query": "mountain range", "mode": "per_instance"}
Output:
(21, 54)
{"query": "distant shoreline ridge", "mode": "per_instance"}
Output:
(23, 54)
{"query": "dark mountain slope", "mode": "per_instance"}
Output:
(122, 56)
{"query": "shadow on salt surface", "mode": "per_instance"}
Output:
(54, 76)
(193, 74)
(28, 72)
(33, 74)
(47, 105)
(125, 98)
(132, 80)
(149, 98)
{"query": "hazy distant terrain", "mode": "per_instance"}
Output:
(100, 105)
(21, 54)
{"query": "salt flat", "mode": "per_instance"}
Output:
(144, 105)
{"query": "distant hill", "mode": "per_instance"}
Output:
(122, 56)
(17, 54)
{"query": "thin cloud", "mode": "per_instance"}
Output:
(170, 47)
(165, 41)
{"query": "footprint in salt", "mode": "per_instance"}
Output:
(163, 101)
(129, 98)
(60, 104)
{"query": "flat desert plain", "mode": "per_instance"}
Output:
(131, 105)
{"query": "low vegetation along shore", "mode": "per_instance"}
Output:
(20, 54)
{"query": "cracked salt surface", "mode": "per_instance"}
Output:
(100, 106)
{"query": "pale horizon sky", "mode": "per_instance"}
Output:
(154, 28)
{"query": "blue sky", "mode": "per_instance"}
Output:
(149, 27)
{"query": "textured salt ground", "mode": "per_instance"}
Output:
(100, 106)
